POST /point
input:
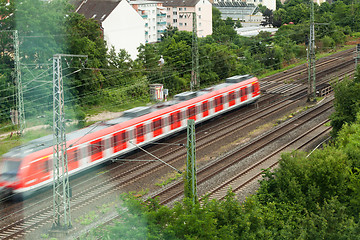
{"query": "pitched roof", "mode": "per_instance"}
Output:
(180, 3)
(96, 9)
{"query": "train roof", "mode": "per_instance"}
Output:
(47, 141)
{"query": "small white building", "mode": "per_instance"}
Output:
(123, 27)
(154, 15)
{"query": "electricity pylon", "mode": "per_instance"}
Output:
(61, 186)
(311, 57)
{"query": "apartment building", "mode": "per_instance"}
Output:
(154, 15)
(180, 15)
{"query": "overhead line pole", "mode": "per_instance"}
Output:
(19, 91)
(195, 76)
(311, 57)
(61, 186)
(195, 73)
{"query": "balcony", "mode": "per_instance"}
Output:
(161, 14)
(146, 24)
(161, 23)
(144, 16)
(160, 31)
(146, 32)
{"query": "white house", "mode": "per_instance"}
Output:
(123, 27)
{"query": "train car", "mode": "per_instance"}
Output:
(28, 168)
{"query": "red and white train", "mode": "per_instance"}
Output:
(27, 168)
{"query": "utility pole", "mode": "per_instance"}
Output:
(311, 57)
(190, 184)
(19, 92)
(19, 117)
(357, 55)
(61, 187)
(195, 76)
(195, 73)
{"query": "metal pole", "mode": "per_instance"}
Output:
(190, 185)
(357, 55)
(311, 57)
(61, 187)
(19, 92)
(195, 80)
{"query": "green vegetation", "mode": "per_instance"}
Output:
(113, 81)
(307, 197)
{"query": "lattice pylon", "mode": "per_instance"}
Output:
(61, 187)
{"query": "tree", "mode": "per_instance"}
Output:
(347, 100)
(84, 37)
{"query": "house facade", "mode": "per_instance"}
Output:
(180, 15)
(154, 15)
(123, 27)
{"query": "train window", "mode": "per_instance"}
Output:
(73, 155)
(157, 124)
(10, 167)
(191, 111)
(252, 89)
(246, 91)
(140, 130)
(231, 96)
(97, 147)
(205, 106)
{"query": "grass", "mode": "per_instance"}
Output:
(168, 180)
(87, 218)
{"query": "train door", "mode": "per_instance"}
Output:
(73, 157)
(205, 108)
(191, 112)
(231, 98)
(119, 141)
(255, 89)
(175, 120)
(157, 126)
(219, 103)
(96, 149)
(139, 133)
(243, 94)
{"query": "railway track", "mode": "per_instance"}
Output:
(174, 191)
(255, 171)
(22, 221)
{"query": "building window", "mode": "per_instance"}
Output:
(180, 9)
(174, 20)
(199, 8)
(168, 16)
(174, 13)
(180, 16)
(185, 24)
(180, 24)
(168, 9)
(184, 9)
(199, 16)
(199, 24)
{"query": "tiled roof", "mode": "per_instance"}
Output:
(180, 3)
(96, 9)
